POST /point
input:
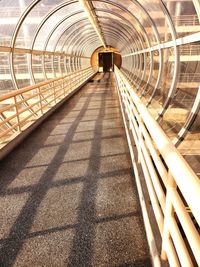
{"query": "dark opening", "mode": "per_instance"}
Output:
(106, 61)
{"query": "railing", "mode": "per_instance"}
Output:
(190, 50)
(21, 108)
(186, 20)
(189, 77)
(172, 186)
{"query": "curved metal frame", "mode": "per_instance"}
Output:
(143, 30)
(51, 33)
(138, 71)
(127, 11)
(14, 37)
(69, 34)
(177, 63)
(41, 25)
(189, 121)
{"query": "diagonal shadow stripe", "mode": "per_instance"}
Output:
(82, 247)
(19, 231)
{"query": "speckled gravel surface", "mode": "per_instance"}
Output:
(67, 193)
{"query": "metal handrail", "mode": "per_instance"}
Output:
(186, 20)
(189, 77)
(190, 50)
(21, 108)
(169, 179)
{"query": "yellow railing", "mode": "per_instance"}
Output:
(21, 108)
(186, 20)
(173, 187)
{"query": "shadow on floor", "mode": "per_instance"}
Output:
(67, 193)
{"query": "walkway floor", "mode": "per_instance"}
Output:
(67, 193)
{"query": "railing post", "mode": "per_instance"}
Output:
(17, 114)
(169, 212)
(54, 92)
(40, 98)
(70, 82)
(63, 86)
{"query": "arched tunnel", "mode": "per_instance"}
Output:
(81, 65)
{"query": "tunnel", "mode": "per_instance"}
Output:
(100, 133)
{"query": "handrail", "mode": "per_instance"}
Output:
(170, 181)
(186, 20)
(191, 50)
(189, 77)
(21, 108)
(31, 87)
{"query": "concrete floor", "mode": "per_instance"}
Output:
(67, 193)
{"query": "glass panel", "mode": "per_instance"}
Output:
(21, 69)
(184, 17)
(186, 91)
(62, 66)
(189, 147)
(132, 18)
(155, 10)
(5, 77)
(32, 21)
(65, 28)
(69, 39)
(162, 92)
(10, 12)
(52, 21)
(56, 65)
(48, 59)
(124, 32)
(37, 68)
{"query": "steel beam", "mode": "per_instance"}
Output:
(93, 20)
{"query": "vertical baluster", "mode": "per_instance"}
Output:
(40, 99)
(17, 114)
(54, 91)
(169, 212)
(63, 86)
